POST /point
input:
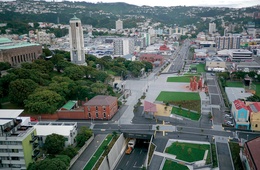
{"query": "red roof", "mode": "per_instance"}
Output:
(151, 55)
(101, 100)
(164, 48)
(240, 104)
(149, 107)
(254, 150)
(257, 106)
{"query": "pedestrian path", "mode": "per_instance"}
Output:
(89, 151)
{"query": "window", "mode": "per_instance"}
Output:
(104, 115)
(89, 114)
(96, 108)
(77, 24)
(97, 115)
(88, 108)
(256, 125)
(104, 108)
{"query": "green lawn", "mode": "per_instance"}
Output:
(201, 68)
(171, 165)
(98, 153)
(181, 79)
(234, 84)
(188, 152)
(185, 113)
(177, 96)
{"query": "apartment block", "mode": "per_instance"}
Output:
(18, 144)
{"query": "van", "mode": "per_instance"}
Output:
(131, 143)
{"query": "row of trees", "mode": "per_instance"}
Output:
(44, 86)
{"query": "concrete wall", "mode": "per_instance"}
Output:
(115, 154)
(73, 160)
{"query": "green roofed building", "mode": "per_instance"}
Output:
(17, 53)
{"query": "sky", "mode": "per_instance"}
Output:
(214, 3)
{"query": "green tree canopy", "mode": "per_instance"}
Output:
(54, 144)
(20, 89)
(83, 135)
(43, 101)
(74, 72)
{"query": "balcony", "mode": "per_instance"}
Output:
(34, 139)
(35, 145)
(35, 153)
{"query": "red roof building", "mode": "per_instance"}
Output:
(155, 59)
(251, 152)
(164, 48)
(101, 107)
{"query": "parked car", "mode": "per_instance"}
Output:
(228, 116)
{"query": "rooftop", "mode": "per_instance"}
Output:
(149, 107)
(9, 114)
(101, 100)
(234, 93)
(254, 150)
(4, 121)
(69, 105)
(5, 40)
(240, 105)
(18, 45)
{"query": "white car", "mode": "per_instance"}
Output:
(228, 116)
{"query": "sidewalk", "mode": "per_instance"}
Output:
(87, 154)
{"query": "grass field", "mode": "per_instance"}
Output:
(171, 165)
(177, 96)
(188, 152)
(181, 79)
(98, 153)
(200, 67)
(187, 100)
(185, 113)
(234, 84)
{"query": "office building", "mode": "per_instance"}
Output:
(119, 25)
(18, 144)
(228, 42)
(44, 38)
(212, 28)
(123, 46)
(77, 51)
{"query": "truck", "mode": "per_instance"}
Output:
(130, 146)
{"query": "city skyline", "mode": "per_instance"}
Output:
(217, 3)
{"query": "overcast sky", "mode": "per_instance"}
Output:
(214, 3)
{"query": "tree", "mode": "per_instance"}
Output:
(98, 88)
(43, 101)
(4, 66)
(53, 164)
(20, 89)
(148, 66)
(54, 144)
(70, 152)
(56, 58)
(74, 72)
(254, 98)
(47, 52)
(83, 135)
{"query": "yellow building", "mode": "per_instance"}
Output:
(255, 121)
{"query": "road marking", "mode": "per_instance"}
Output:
(105, 123)
(102, 130)
(127, 162)
(141, 152)
(135, 164)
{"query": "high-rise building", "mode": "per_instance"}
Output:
(77, 51)
(147, 38)
(123, 46)
(212, 28)
(18, 144)
(119, 25)
(228, 42)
